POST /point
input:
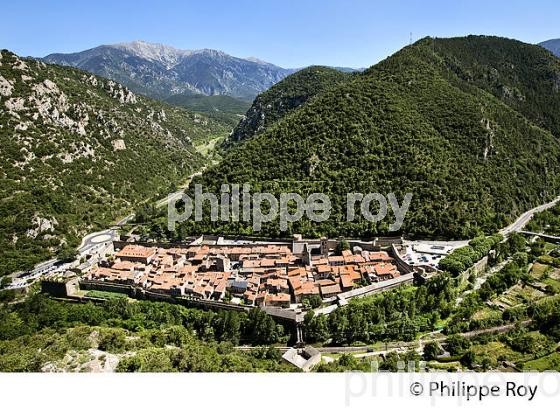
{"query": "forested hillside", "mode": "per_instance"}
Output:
(469, 126)
(285, 97)
(41, 334)
(224, 108)
(78, 151)
(524, 76)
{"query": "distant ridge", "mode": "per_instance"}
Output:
(552, 45)
(161, 71)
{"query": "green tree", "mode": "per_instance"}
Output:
(468, 359)
(262, 328)
(6, 280)
(457, 344)
(112, 340)
(432, 350)
(341, 246)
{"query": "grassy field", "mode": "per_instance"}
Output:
(487, 313)
(519, 295)
(549, 246)
(539, 269)
(553, 284)
(497, 352)
(547, 275)
(440, 366)
(208, 146)
(549, 362)
(105, 295)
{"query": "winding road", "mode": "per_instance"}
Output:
(94, 240)
(524, 219)
(515, 226)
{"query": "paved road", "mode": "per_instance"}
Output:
(95, 240)
(516, 226)
(99, 240)
(43, 269)
(176, 195)
(520, 222)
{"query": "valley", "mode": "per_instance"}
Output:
(93, 278)
(435, 334)
(77, 152)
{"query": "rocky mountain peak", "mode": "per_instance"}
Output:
(167, 55)
(161, 71)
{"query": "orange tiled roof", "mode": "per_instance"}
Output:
(328, 290)
(136, 251)
(346, 281)
(385, 269)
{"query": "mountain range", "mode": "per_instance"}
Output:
(160, 71)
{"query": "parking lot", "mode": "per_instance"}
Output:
(426, 254)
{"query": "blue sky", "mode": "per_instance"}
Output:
(356, 33)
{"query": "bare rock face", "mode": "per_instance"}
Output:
(91, 80)
(118, 145)
(20, 65)
(15, 104)
(53, 106)
(22, 126)
(41, 225)
(5, 87)
(123, 94)
(200, 120)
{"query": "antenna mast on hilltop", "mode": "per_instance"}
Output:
(410, 43)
